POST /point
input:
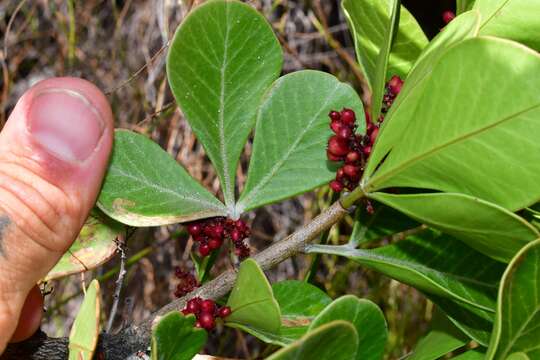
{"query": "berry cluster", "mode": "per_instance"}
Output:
(351, 148)
(187, 282)
(391, 91)
(210, 234)
(206, 312)
(448, 16)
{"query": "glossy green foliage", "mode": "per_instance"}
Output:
(292, 130)
(337, 340)
(443, 338)
(461, 28)
(460, 142)
(381, 64)
(367, 319)
(144, 186)
(516, 327)
(222, 59)
(463, 6)
(384, 222)
(472, 321)
(94, 246)
(471, 355)
(368, 21)
(85, 329)
(512, 19)
(299, 304)
(433, 263)
(175, 337)
(252, 301)
(486, 227)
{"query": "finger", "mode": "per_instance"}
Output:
(53, 155)
(31, 314)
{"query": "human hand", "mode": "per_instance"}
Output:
(53, 154)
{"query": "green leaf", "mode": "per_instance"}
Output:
(85, 329)
(472, 321)
(94, 246)
(458, 141)
(518, 309)
(291, 135)
(252, 301)
(512, 19)
(518, 356)
(435, 264)
(337, 340)
(476, 354)
(368, 21)
(463, 6)
(366, 317)
(391, 132)
(381, 65)
(144, 186)
(299, 304)
(384, 222)
(222, 59)
(488, 228)
(175, 337)
(443, 338)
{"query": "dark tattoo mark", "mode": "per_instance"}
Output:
(4, 223)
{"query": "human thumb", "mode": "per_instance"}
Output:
(53, 155)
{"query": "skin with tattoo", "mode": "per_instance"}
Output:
(54, 150)
(4, 223)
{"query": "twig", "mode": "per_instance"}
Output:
(138, 72)
(137, 337)
(119, 282)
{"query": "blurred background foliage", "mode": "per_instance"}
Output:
(121, 47)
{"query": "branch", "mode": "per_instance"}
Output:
(137, 337)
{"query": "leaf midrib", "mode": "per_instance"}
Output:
(143, 180)
(494, 13)
(372, 183)
(402, 264)
(229, 196)
(520, 331)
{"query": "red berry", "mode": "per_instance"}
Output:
(352, 171)
(367, 150)
(241, 225)
(206, 321)
(352, 157)
(208, 306)
(332, 157)
(218, 230)
(236, 235)
(368, 117)
(198, 324)
(340, 174)
(214, 243)
(348, 117)
(224, 312)
(194, 229)
(336, 186)
(373, 135)
(193, 305)
(338, 146)
(336, 126)
(204, 250)
(448, 16)
(334, 115)
(395, 84)
(344, 133)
